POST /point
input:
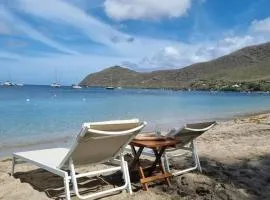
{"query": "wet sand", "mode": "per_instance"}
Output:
(235, 158)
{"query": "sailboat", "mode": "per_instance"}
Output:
(8, 84)
(20, 84)
(110, 87)
(55, 84)
(75, 86)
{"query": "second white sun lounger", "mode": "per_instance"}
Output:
(97, 142)
(187, 136)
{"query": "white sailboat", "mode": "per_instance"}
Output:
(110, 87)
(20, 84)
(75, 86)
(8, 84)
(56, 84)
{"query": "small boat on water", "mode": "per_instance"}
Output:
(74, 86)
(109, 88)
(55, 85)
(8, 84)
(20, 84)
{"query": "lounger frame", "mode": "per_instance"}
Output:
(191, 147)
(71, 176)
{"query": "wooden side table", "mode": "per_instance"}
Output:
(158, 147)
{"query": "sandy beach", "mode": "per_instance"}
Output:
(234, 156)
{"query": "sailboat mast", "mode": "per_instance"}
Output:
(55, 74)
(111, 80)
(9, 76)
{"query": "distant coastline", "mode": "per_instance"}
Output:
(166, 80)
(247, 69)
(200, 86)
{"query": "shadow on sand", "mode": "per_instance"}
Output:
(53, 186)
(246, 179)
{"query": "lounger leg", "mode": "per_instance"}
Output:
(129, 188)
(73, 177)
(125, 172)
(165, 162)
(13, 165)
(196, 157)
(199, 164)
(66, 184)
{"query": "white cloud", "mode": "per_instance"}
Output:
(171, 57)
(34, 34)
(146, 9)
(178, 55)
(181, 55)
(171, 51)
(62, 12)
(140, 52)
(31, 32)
(262, 26)
(157, 52)
(58, 11)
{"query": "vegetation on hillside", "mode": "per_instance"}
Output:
(230, 86)
(247, 69)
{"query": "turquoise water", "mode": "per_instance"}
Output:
(39, 113)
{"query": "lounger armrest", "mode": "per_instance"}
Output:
(203, 129)
(116, 132)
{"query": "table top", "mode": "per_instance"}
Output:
(154, 143)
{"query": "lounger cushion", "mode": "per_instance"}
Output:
(48, 157)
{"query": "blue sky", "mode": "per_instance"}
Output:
(77, 37)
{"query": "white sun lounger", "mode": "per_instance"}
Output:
(97, 142)
(187, 136)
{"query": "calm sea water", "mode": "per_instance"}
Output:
(32, 114)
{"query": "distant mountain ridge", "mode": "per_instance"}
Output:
(248, 64)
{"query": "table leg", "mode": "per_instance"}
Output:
(136, 161)
(136, 156)
(145, 185)
(157, 160)
(145, 180)
(163, 172)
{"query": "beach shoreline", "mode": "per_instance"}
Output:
(8, 148)
(234, 157)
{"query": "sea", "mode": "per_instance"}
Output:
(41, 116)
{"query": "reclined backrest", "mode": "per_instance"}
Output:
(192, 131)
(102, 141)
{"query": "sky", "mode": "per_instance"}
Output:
(72, 38)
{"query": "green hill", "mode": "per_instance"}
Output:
(250, 64)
